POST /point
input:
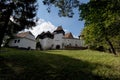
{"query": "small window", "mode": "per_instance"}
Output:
(18, 41)
(15, 41)
(52, 45)
(76, 45)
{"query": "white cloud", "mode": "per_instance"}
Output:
(66, 31)
(75, 36)
(45, 26)
(41, 26)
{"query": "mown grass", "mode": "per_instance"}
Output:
(58, 65)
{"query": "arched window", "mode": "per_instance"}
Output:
(57, 46)
(76, 45)
(69, 44)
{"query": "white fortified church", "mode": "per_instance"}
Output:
(58, 40)
(24, 40)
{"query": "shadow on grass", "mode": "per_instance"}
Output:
(46, 66)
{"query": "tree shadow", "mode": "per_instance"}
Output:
(6, 73)
(46, 66)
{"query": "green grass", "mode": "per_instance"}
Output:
(58, 65)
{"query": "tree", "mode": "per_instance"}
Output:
(103, 19)
(65, 6)
(22, 12)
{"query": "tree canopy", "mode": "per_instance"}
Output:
(102, 18)
(65, 6)
(102, 21)
(22, 12)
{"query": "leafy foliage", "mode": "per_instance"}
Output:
(23, 12)
(103, 19)
(65, 6)
(16, 15)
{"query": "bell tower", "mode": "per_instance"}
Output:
(59, 30)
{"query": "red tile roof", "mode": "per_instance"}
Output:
(69, 35)
(23, 34)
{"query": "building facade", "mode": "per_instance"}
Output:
(58, 40)
(23, 40)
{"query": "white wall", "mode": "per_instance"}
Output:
(12, 42)
(58, 40)
(73, 42)
(27, 43)
(29, 36)
(23, 43)
(46, 43)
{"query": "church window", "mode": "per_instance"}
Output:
(70, 44)
(57, 46)
(76, 45)
(52, 45)
(18, 41)
(15, 41)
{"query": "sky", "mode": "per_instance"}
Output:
(50, 21)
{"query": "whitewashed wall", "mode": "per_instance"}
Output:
(23, 43)
(12, 42)
(27, 43)
(73, 42)
(29, 36)
(46, 43)
(58, 40)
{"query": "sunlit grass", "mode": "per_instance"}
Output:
(59, 65)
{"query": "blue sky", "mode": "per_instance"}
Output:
(69, 24)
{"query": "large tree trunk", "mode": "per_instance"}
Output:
(111, 46)
(4, 27)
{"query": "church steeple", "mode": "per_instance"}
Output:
(59, 30)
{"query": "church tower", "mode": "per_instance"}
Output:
(58, 37)
(59, 30)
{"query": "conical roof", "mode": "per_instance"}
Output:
(59, 28)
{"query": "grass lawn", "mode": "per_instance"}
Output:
(58, 65)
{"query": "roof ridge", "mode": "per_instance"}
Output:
(23, 34)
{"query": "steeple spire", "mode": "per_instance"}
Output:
(59, 30)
